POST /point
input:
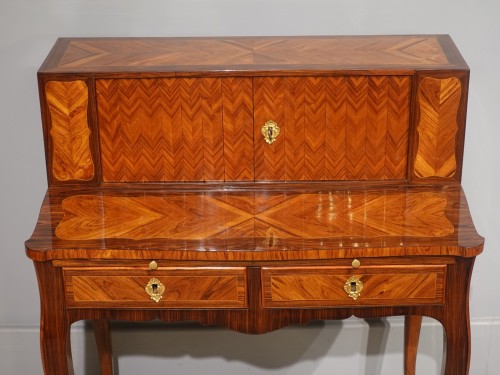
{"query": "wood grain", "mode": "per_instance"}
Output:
(294, 223)
(71, 156)
(161, 130)
(348, 128)
(238, 129)
(324, 286)
(439, 101)
(184, 287)
(251, 53)
(201, 216)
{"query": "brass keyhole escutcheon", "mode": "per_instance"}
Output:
(353, 287)
(155, 289)
(270, 131)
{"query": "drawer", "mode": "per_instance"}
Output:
(163, 288)
(298, 287)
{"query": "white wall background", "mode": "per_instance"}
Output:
(28, 28)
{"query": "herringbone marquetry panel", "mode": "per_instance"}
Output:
(397, 126)
(204, 216)
(269, 104)
(336, 128)
(333, 128)
(238, 129)
(439, 100)
(173, 129)
(71, 157)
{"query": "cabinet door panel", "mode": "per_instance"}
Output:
(332, 128)
(172, 129)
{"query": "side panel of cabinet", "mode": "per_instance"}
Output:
(332, 128)
(173, 129)
(68, 130)
(441, 102)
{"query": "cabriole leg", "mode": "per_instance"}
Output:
(102, 334)
(55, 345)
(412, 335)
(455, 319)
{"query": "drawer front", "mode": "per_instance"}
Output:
(330, 286)
(174, 288)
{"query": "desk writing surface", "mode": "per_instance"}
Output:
(245, 224)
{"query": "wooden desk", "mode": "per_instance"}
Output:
(253, 183)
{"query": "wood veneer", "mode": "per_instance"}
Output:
(158, 174)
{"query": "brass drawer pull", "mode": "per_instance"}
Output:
(155, 289)
(270, 131)
(353, 287)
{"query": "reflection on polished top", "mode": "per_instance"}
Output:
(252, 223)
(200, 216)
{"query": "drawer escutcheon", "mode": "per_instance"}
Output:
(353, 287)
(155, 289)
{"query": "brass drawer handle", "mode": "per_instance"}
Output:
(353, 287)
(155, 289)
(270, 131)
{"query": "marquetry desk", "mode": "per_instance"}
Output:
(253, 183)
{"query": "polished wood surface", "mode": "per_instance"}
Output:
(166, 202)
(324, 286)
(439, 101)
(72, 158)
(333, 128)
(349, 109)
(169, 129)
(412, 335)
(252, 53)
(254, 225)
(208, 288)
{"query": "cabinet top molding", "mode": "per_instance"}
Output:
(240, 55)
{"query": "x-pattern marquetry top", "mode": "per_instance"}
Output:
(251, 53)
(253, 221)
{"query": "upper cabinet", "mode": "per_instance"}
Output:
(254, 109)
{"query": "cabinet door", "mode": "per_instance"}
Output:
(332, 128)
(175, 129)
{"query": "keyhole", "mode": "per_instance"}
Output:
(155, 288)
(270, 133)
(353, 286)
